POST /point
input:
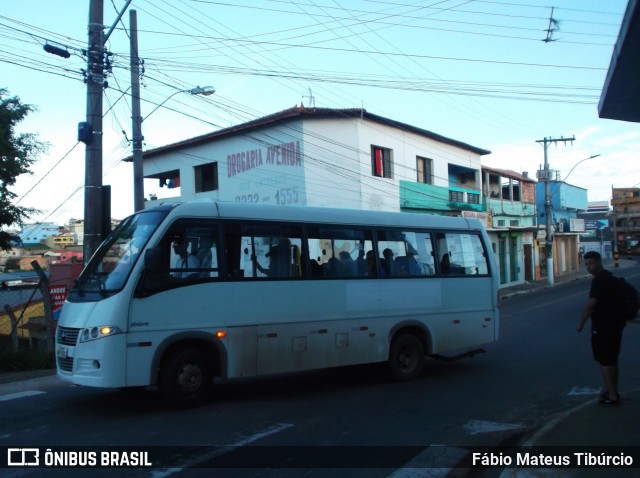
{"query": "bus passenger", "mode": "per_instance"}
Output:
(316, 268)
(205, 256)
(346, 264)
(184, 261)
(445, 264)
(279, 260)
(361, 263)
(372, 270)
(388, 264)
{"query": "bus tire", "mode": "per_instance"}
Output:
(186, 378)
(406, 357)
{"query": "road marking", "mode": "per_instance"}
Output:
(476, 427)
(436, 461)
(221, 451)
(584, 391)
(544, 304)
(550, 425)
(14, 396)
(260, 435)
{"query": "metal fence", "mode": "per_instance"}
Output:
(26, 318)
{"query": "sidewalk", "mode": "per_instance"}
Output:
(11, 377)
(590, 423)
(540, 284)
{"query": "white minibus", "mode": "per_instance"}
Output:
(182, 294)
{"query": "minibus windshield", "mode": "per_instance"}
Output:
(110, 266)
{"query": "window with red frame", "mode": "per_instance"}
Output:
(381, 162)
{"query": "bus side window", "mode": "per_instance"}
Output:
(266, 251)
(391, 245)
(462, 254)
(184, 263)
(417, 260)
(338, 251)
(296, 265)
(207, 254)
(480, 256)
(192, 251)
(234, 255)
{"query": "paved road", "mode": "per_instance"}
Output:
(531, 385)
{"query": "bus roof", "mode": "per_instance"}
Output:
(321, 215)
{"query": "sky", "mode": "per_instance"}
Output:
(476, 71)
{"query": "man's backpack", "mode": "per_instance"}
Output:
(627, 300)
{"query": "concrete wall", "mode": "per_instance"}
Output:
(318, 162)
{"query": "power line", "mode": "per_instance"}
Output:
(388, 53)
(47, 173)
(292, 71)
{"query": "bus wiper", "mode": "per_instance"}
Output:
(103, 291)
(82, 287)
(78, 287)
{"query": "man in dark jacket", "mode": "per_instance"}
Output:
(606, 327)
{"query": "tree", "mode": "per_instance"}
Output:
(18, 151)
(12, 264)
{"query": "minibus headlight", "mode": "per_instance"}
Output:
(98, 332)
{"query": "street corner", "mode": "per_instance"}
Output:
(592, 423)
(11, 382)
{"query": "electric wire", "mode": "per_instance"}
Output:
(248, 113)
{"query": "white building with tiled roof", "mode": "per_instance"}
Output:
(324, 157)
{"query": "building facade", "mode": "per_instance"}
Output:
(345, 158)
(512, 223)
(76, 227)
(626, 219)
(598, 234)
(60, 241)
(353, 159)
(566, 202)
(35, 234)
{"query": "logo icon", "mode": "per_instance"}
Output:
(23, 456)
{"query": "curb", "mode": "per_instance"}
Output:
(534, 287)
(21, 376)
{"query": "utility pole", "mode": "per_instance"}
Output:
(138, 172)
(614, 243)
(545, 175)
(627, 216)
(91, 132)
(97, 198)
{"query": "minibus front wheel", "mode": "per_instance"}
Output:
(186, 378)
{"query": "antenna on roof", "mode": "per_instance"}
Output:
(312, 100)
(554, 26)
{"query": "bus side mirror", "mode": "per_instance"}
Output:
(155, 275)
(153, 261)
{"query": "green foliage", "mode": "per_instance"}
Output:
(25, 359)
(12, 264)
(36, 247)
(18, 151)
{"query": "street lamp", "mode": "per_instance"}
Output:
(549, 239)
(582, 160)
(198, 90)
(205, 90)
(138, 176)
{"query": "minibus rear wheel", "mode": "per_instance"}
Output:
(186, 378)
(406, 357)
